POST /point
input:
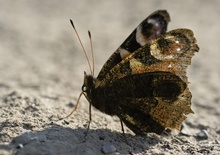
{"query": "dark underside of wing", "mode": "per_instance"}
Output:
(138, 121)
(165, 85)
(144, 82)
(135, 96)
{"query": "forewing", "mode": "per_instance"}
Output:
(152, 27)
(171, 52)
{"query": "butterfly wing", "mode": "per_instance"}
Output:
(149, 102)
(152, 27)
(154, 114)
(150, 85)
(172, 52)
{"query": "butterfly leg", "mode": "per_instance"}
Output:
(122, 128)
(90, 119)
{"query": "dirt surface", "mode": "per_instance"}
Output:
(41, 73)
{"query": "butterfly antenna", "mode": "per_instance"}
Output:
(84, 51)
(91, 46)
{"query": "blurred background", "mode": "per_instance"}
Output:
(41, 56)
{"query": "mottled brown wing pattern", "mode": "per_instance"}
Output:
(151, 28)
(144, 82)
(156, 72)
(172, 52)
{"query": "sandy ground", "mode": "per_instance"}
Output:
(41, 73)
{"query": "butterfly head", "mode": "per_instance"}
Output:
(88, 85)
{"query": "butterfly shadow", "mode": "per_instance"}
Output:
(57, 139)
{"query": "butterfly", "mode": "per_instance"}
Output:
(144, 81)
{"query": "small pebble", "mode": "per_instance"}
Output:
(203, 134)
(108, 149)
(29, 137)
(185, 130)
(71, 105)
(24, 138)
(66, 122)
(20, 146)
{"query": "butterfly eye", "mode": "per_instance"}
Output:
(84, 88)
